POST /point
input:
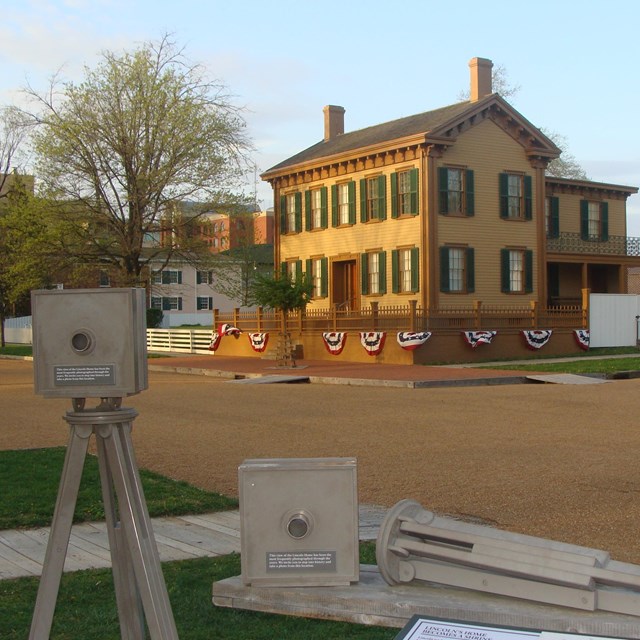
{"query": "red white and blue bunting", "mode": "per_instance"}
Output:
(536, 339)
(373, 341)
(258, 341)
(334, 341)
(411, 340)
(474, 338)
(215, 341)
(228, 330)
(583, 338)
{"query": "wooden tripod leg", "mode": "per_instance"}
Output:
(130, 612)
(60, 532)
(138, 532)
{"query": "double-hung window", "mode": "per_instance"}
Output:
(552, 216)
(343, 204)
(204, 277)
(317, 271)
(594, 221)
(404, 270)
(291, 213)
(292, 269)
(516, 199)
(456, 191)
(457, 272)
(373, 271)
(373, 199)
(516, 270)
(315, 209)
(404, 193)
(167, 276)
(204, 303)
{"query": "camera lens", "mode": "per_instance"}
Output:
(298, 526)
(81, 342)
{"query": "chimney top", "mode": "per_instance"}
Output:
(481, 83)
(333, 121)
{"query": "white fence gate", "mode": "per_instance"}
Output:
(179, 340)
(613, 319)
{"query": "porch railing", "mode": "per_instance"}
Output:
(411, 317)
(576, 243)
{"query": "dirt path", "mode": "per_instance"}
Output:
(549, 460)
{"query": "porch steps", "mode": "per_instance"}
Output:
(564, 378)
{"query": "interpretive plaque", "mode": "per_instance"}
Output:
(419, 628)
(74, 375)
(301, 560)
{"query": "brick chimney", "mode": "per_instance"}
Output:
(480, 78)
(333, 121)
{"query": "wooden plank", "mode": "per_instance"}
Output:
(14, 564)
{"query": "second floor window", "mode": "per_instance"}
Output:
(168, 276)
(291, 213)
(316, 209)
(552, 216)
(404, 193)
(594, 220)
(373, 202)
(516, 200)
(456, 192)
(204, 277)
(343, 204)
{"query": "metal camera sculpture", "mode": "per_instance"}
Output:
(91, 343)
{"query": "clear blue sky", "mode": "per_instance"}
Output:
(576, 62)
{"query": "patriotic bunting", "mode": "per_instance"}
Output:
(372, 341)
(536, 339)
(215, 341)
(334, 341)
(474, 338)
(583, 338)
(228, 330)
(258, 341)
(411, 340)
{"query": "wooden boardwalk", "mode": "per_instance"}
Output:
(178, 538)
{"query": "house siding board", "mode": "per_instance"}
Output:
(488, 151)
(569, 212)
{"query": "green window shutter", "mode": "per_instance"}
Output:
(554, 222)
(283, 214)
(444, 269)
(471, 270)
(528, 271)
(382, 258)
(299, 268)
(198, 277)
(469, 192)
(363, 200)
(505, 280)
(298, 211)
(210, 299)
(394, 271)
(165, 304)
(504, 195)
(382, 198)
(352, 202)
(179, 277)
(364, 273)
(323, 208)
(415, 272)
(179, 304)
(604, 221)
(308, 268)
(584, 219)
(528, 198)
(334, 205)
(283, 268)
(307, 210)
(443, 189)
(324, 277)
(394, 195)
(413, 181)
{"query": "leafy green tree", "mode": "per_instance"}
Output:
(283, 294)
(122, 153)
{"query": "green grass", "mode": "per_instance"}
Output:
(86, 608)
(596, 367)
(16, 350)
(30, 478)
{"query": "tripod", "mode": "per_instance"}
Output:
(139, 584)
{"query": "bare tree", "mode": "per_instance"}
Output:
(122, 153)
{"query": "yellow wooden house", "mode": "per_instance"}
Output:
(447, 208)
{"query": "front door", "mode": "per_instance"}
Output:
(344, 285)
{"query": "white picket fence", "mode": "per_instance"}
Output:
(179, 340)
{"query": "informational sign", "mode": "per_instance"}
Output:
(419, 628)
(301, 560)
(95, 374)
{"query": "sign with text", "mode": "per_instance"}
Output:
(419, 628)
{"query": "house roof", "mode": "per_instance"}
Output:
(435, 122)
